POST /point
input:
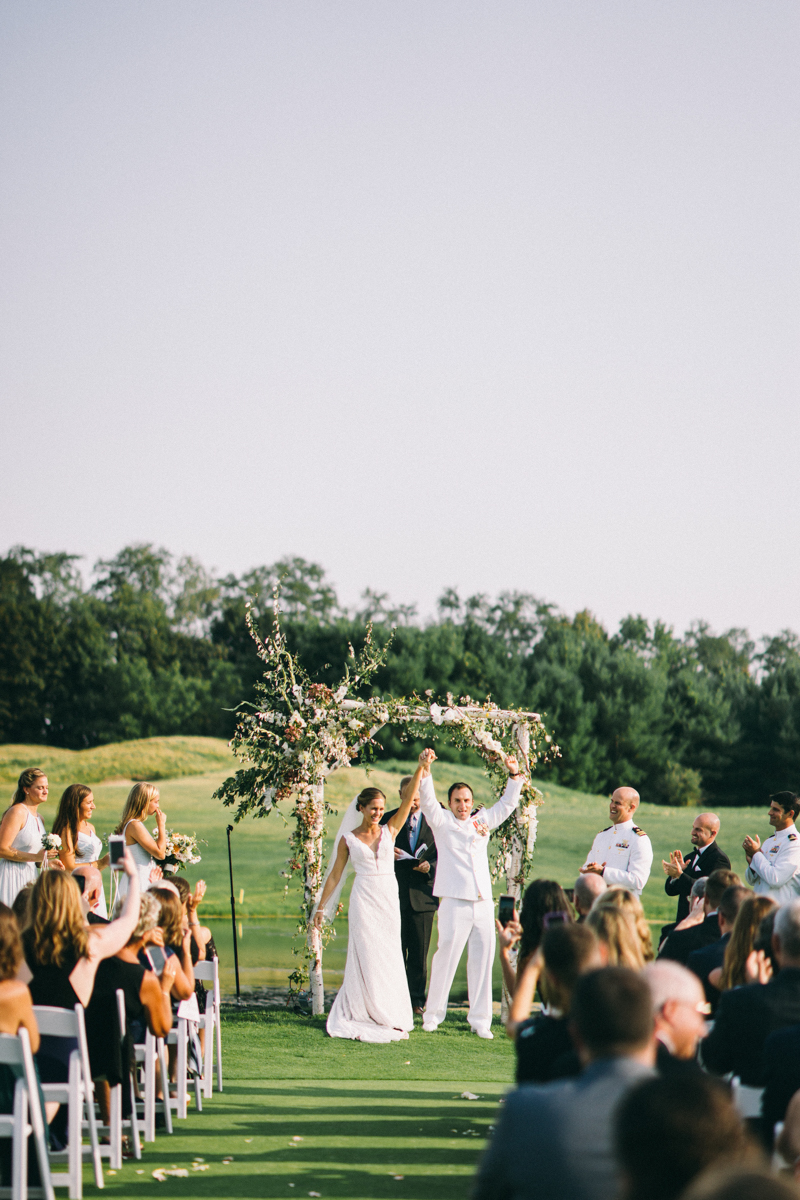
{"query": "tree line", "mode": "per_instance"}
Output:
(152, 645)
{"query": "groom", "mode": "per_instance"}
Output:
(463, 883)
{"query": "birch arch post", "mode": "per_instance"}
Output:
(296, 732)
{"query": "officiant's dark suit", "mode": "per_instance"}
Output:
(417, 901)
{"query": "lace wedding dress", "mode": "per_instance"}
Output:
(373, 1003)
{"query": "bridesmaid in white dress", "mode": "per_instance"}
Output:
(146, 851)
(80, 845)
(21, 832)
(373, 1003)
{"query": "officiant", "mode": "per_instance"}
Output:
(415, 870)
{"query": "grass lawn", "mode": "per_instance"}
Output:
(304, 1113)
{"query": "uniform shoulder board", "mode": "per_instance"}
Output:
(792, 837)
(606, 828)
(639, 832)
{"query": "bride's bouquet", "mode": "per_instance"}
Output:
(50, 841)
(181, 852)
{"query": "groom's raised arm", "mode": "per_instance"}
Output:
(509, 800)
(434, 813)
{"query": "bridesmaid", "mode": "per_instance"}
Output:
(21, 831)
(80, 845)
(147, 852)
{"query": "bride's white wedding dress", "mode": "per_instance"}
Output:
(373, 1003)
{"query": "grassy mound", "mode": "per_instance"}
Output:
(147, 758)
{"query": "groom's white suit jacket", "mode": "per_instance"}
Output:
(463, 869)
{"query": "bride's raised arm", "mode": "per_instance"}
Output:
(331, 883)
(399, 819)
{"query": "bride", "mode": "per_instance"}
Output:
(373, 1004)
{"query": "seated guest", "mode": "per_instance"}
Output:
(543, 1043)
(667, 1131)
(711, 957)
(555, 1141)
(680, 944)
(629, 902)
(21, 907)
(174, 938)
(739, 1183)
(618, 936)
(746, 1016)
(679, 1009)
(147, 1005)
(16, 1009)
(62, 955)
(781, 1067)
(704, 857)
(739, 949)
(93, 900)
(587, 888)
(788, 1140)
(695, 916)
(543, 899)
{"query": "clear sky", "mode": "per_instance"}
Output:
(498, 295)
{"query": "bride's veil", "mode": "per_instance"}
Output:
(350, 821)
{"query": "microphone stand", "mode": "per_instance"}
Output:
(233, 917)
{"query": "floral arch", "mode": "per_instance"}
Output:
(297, 732)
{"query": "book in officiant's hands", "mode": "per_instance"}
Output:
(404, 856)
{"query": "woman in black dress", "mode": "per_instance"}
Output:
(147, 1006)
(62, 957)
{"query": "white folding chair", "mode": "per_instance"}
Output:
(26, 1120)
(179, 1037)
(76, 1093)
(209, 973)
(113, 1151)
(152, 1055)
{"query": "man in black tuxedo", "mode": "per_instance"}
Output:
(704, 858)
(746, 1016)
(418, 904)
(680, 944)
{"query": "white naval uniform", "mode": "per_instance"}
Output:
(466, 911)
(773, 869)
(628, 854)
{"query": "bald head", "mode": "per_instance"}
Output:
(91, 881)
(678, 1006)
(587, 888)
(623, 805)
(704, 829)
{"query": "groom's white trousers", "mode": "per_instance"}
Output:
(463, 923)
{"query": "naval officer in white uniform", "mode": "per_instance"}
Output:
(463, 883)
(622, 853)
(774, 869)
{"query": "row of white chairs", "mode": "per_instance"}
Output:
(77, 1093)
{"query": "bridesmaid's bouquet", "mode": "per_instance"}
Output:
(50, 841)
(181, 852)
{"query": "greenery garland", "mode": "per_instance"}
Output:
(297, 732)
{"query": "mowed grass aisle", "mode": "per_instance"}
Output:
(303, 1113)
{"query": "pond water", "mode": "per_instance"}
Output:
(265, 955)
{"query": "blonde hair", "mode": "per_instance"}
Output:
(616, 929)
(136, 805)
(148, 915)
(26, 780)
(56, 932)
(745, 928)
(625, 901)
